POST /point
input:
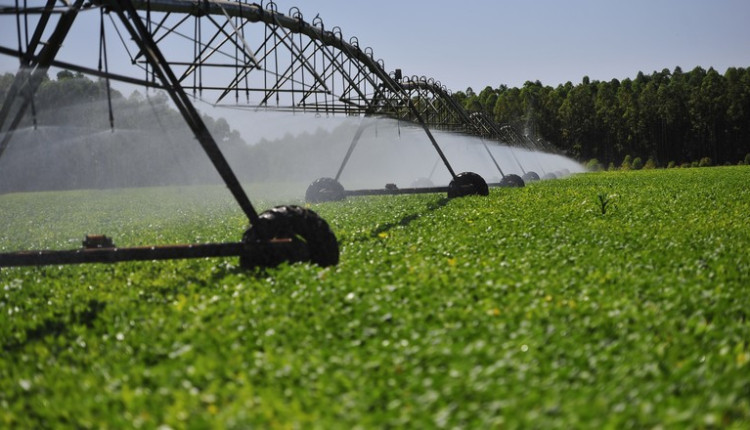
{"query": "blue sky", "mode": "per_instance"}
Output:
(497, 42)
(480, 43)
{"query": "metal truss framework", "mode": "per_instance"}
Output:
(218, 56)
(209, 50)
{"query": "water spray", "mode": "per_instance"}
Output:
(300, 66)
(282, 234)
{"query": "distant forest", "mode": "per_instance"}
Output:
(668, 116)
(658, 120)
(69, 143)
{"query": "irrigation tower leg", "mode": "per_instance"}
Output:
(492, 157)
(154, 56)
(432, 139)
(355, 141)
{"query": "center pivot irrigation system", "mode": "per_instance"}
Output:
(239, 55)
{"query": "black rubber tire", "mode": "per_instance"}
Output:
(467, 184)
(549, 176)
(324, 190)
(311, 239)
(530, 177)
(512, 181)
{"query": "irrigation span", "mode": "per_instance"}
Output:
(241, 56)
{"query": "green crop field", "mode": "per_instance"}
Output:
(607, 300)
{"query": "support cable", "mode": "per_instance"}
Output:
(352, 145)
(26, 35)
(492, 157)
(125, 45)
(276, 54)
(18, 33)
(302, 71)
(103, 55)
(195, 52)
(236, 60)
(247, 80)
(248, 49)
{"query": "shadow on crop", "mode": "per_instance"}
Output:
(58, 325)
(404, 221)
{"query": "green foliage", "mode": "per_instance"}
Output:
(668, 114)
(626, 163)
(747, 159)
(704, 162)
(671, 165)
(67, 74)
(594, 165)
(74, 146)
(524, 309)
(604, 202)
(650, 164)
(637, 163)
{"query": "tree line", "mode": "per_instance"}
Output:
(700, 117)
(668, 116)
(66, 141)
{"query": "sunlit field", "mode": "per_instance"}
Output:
(602, 300)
